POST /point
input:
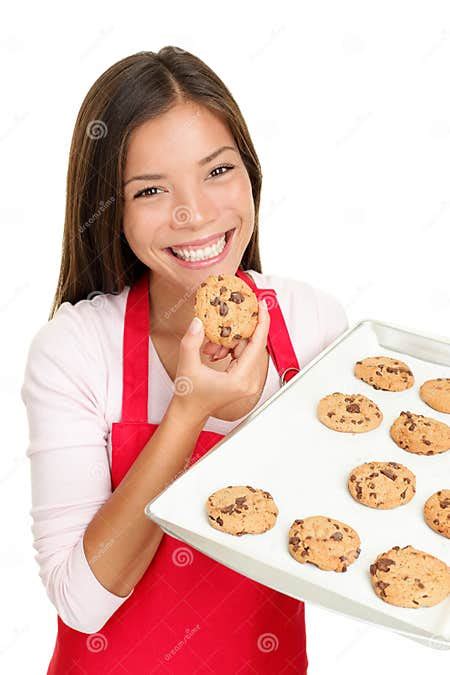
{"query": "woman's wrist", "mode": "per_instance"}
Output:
(190, 417)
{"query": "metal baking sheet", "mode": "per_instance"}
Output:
(283, 448)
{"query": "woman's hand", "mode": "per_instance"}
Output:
(217, 352)
(199, 389)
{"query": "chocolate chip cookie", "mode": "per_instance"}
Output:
(407, 577)
(325, 542)
(436, 393)
(349, 412)
(241, 509)
(382, 485)
(419, 434)
(383, 372)
(436, 512)
(228, 308)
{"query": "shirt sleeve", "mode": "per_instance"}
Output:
(70, 473)
(332, 317)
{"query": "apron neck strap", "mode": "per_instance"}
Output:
(136, 344)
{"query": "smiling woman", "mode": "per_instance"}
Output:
(163, 189)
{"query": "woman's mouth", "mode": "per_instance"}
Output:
(195, 257)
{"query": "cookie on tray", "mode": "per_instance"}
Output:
(436, 512)
(382, 485)
(419, 434)
(325, 542)
(436, 393)
(407, 577)
(228, 308)
(241, 509)
(349, 412)
(384, 372)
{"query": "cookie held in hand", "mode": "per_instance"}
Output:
(228, 309)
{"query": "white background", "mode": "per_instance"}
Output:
(348, 105)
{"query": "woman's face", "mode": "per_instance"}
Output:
(178, 189)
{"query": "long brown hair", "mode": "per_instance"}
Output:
(96, 257)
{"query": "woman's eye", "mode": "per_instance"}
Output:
(146, 191)
(224, 166)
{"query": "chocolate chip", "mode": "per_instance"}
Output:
(203, 283)
(219, 520)
(236, 297)
(223, 289)
(337, 536)
(388, 474)
(237, 336)
(220, 277)
(225, 331)
(223, 310)
(384, 564)
(215, 301)
(382, 585)
(227, 509)
(353, 408)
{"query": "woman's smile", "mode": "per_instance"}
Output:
(196, 256)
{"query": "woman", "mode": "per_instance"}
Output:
(123, 391)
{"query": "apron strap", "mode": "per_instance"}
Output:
(136, 345)
(136, 353)
(279, 342)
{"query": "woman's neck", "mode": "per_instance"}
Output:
(171, 308)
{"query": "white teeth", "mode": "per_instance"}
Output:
(201, 253)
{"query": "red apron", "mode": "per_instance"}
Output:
(188, 613)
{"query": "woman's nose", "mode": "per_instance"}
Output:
(194, 208)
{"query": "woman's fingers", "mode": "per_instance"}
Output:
(258, 340)
(237, 351)
(221, 353)
(209, 348)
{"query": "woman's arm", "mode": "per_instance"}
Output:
(132, 539)
(64, 392)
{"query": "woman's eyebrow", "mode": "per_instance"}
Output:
(201, 162)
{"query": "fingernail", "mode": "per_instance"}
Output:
(195, 326)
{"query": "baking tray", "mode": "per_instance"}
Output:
(283, 448)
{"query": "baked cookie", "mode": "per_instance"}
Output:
(382, 485)
(383, 372)
(407, 577)
(436, 393)
(349, 412)
(228, 308)
(241, 509)
(419, 434)
(324, 542)
(436, 512)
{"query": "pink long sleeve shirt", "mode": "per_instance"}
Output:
(72, 390)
